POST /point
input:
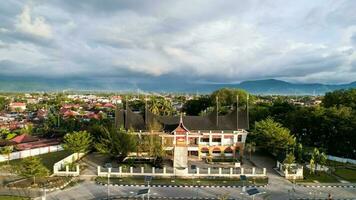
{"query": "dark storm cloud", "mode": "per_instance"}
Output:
(194, 41)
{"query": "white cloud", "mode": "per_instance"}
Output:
(201, 40)
(36, 26)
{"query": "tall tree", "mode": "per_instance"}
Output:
(78, 141)
(250, 148)
(32, 167)
(272, 136)
(116, 143)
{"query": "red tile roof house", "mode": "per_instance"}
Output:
(25, 142)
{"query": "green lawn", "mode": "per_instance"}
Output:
(347, 174)
(47, 159)
(13, 198)
(321, 177)
(173, 181)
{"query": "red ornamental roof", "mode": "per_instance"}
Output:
(181, 128)
(228, 149)
(24, 138)
(217, 149)
(204, 149)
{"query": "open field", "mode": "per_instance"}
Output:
(47, 159)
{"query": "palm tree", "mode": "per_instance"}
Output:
(166, 107)
(155, 106)
(251, 147)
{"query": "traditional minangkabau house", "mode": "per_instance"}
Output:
(212, 135)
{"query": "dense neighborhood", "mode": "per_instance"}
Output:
(225, 139)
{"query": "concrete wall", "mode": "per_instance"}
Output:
(222, 172)
(31, 152)
(61, 167)
(343, 160)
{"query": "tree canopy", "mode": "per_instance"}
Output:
(273, 136)
(116, 142)
(78, 141)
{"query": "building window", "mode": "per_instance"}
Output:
(239, 138)
(216, 139)
(205, 140)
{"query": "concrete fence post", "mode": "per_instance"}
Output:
(67, 168)
(286, 172)
(219, 170)
(98, 170)
(164, 170)
(264, 171)
(120, 170)
(109, 171)
(197, 170)
(142, 170)
(253, 170)
(131, 170)
(208, 170)
(242, 171)
(153, 170)
(77, 169)
(231, 171)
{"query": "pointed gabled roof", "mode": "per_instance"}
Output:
(181, 128)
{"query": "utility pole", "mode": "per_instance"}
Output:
(237, 112)
(217, 111)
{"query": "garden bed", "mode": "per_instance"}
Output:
(184, 182)
(48, 182)
(5, 197)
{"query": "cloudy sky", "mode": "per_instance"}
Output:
(198, 41)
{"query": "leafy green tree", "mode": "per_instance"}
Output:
(299, 152)
(290, 159)
(196, 106)
(312, 166)
(250, 148)
(116, 143)
(78, 141)
(6, 151)
(272, 136)
(32, 167)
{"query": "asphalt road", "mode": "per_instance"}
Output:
(90, 190)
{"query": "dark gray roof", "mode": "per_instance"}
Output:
(137, 121)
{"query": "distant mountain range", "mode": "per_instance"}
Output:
(267, 86)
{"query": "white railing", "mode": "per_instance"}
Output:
(232, 172)
(61, 168)
(30, 152)
(343, 160)
(296, 173)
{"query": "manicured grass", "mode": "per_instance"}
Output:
(347, 174)
(13, 198)
(47, 159)
(48, 182)
(175, 181)
(321, 177)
